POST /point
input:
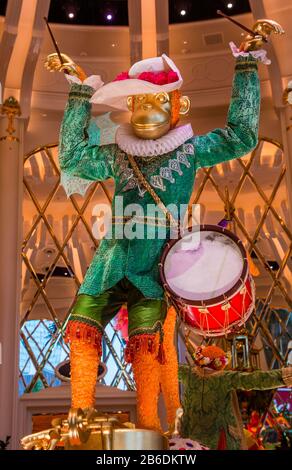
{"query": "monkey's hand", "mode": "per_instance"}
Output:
(262, 29)
(54, 64)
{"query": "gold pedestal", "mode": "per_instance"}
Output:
(94, 432)
(124, 439)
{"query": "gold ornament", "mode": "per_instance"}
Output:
(11, 108)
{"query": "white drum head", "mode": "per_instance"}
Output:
(203, 265)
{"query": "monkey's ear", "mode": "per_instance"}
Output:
(130, 103)
(185, 105)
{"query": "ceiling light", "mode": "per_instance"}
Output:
(229, 5)
(183, 12)
(71, 15)
(109, 16)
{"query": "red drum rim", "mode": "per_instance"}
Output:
(232, 327)
(215, 300)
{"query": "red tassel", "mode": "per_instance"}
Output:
(161, 354)
(140, 343)
(222, 442)
(83, 332)
(146, 344)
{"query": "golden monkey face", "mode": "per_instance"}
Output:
(153, 115)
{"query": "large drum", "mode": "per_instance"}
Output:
(205, 272)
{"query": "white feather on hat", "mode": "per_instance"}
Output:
(115, 93)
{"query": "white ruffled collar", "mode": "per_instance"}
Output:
(131, 144)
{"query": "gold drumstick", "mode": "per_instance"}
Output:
(54, 41)
(249, 31)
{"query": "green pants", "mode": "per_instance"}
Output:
(146, 316)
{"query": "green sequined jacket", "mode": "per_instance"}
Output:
(172, 176)
(210, 402)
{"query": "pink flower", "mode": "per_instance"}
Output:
(121, 76)
(159, 78)
(172, 76)
(148, 77)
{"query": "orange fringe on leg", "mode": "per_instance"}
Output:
(86, 333)
(146, 369)
(84, 365)
(145, 343)
(169, 370)
(85, 353)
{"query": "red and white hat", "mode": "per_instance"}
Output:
(146, 76)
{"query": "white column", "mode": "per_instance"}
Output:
(162, 27)
(148, 23)
(148, 14)
(134, 13)
(11, 170)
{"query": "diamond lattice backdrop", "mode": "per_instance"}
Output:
(59, 244)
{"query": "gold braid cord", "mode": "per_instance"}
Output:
(139, 175)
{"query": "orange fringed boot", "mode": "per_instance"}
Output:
(169, 370)
(146, 369)
(85, 353)
(84, 365)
